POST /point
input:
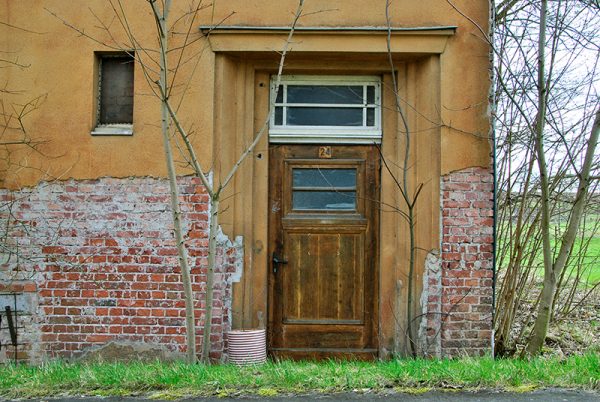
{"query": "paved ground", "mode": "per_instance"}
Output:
(549, 395)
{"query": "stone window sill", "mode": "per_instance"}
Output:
(113, 129)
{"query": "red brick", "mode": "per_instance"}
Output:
(467, 222)
(167, 251)
(54, 250)
(99, 338)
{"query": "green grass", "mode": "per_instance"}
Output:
(178, 379)
(590, 262)
(593, 251)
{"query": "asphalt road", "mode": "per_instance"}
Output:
(548, 395)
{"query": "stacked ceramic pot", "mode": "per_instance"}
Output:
(247, 347)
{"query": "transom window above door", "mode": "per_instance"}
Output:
(326, 109)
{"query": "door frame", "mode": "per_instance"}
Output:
(241, 109)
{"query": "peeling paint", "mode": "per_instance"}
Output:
(429, 340)
(225, 242)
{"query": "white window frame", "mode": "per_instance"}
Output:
(327, 134)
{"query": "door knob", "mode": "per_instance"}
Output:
(276, 261)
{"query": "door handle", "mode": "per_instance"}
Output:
(276, 261)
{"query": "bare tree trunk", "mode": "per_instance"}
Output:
(540, 328)
(165, 125)
(210, 276)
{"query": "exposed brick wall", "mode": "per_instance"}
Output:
(97, 262)
(103, 257)
(467, 263)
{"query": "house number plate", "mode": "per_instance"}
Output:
(325, 152)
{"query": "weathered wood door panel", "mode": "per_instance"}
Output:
(323, 222)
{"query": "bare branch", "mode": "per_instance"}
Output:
(265, 125)
(6, 24)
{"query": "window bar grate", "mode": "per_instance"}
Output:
(11, 317)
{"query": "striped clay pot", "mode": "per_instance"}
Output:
(247, 346)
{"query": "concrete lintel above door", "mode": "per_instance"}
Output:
(417, 40)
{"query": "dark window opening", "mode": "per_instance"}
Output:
(116, 89)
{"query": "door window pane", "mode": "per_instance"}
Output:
(324, 200)
(328, 178)
(324, 189)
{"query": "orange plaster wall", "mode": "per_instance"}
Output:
(61, 68)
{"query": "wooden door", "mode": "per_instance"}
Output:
(323, 225)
